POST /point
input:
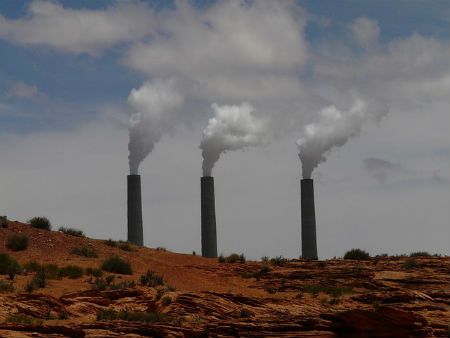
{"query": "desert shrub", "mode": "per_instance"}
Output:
(332, 291)
(71, 271)
(194, 253)
(419, 254)
(265, 269)
(85, 251)
(23, 319)
(109, 279)
(116, 264)
(166, 300)
(271, 289)
(6, 286)
(245, 313)
(161, 248)
(110, 242)
(17, 242)
(233, 258)
(133, 316)
(40, 223)
(170, 288)
(279, 261)
(321, 264)
(39, 280)
(3, 222)
(99, 284)
(32, 266)
(8, 265)
(152, 279)
(122, 285)
(125, 246)
(410, 263)
(246, 274)
(96, 272)
(63, 315)
(265, 259)
(357, 254)
(72, 231)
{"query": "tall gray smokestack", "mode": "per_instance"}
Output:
(135, 232)
(309, 241)
(209, 235)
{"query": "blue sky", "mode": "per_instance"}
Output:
(67, 93)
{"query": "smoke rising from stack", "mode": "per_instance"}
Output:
(232, 128)
(155, 103)
(333, 129)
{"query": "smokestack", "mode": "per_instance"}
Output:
(309, 241)
(209, 235)
(135, 232)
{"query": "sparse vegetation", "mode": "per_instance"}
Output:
(122, 285)
(3, 222)
(166, 300)
(40, 223)
(419, 254)
(271, 289)
(332, 291)
(6, 286)
(72, 231)
(111, 243)
(125, 246)
(279, 261)
(233, 258)
(51, 270)
(134, 316)
(96, 272)
(170, 288)
(151, 279)
(115, 264)
(23, 319)
(17, 242)
(71, 271)
(9, 266)
(161, 248)
(410, 263)
(357, 254)
(85, 251)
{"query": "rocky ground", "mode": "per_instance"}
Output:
(380, 297)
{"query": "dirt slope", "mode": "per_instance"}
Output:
(336, 298)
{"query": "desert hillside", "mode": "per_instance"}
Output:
(63, 288)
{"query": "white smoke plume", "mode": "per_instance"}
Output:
(156, 103)
(333, 129)
(232, 128)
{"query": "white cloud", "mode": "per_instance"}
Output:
(49, 24)
(22, 90)
(365, 31)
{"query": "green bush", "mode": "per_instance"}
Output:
(133, 316)
(85, 251)
(71, 271)
(17, 242)
(125, 246)
(357, 254)
(122, 285)
(8, 265)
(6, 286)
(419, 254)
(152, 279)
(40, 223)
(279, 260)
(116, 264)
(410, 263)
(233, 258)
(51, 270)
(96, 272)
(23, 319)
(110, 242)
(166, 300)
(3, 222)
(72, 231)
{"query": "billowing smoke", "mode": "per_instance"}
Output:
(156, 103)
(333, 128)
(232, 127)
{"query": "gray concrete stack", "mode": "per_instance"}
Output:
(135, 231)
(209, 235)
(309, 241)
